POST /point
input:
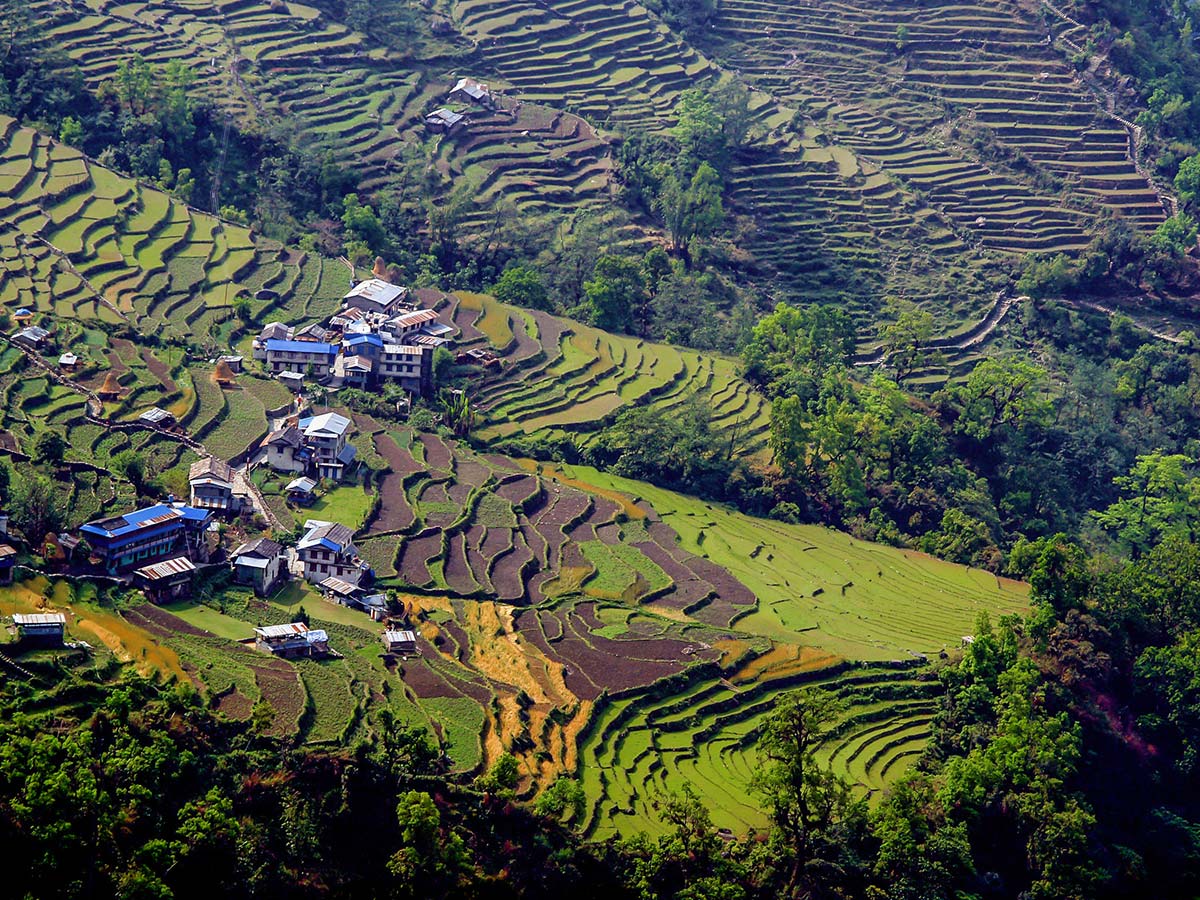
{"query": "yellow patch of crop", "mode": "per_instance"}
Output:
(783, 660)
(562, 475)
(495, 323)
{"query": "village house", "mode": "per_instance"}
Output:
(327, 551)
(411, 366)
(125, 542)
(157, 418)
(301, 491)
(291, 641)
(400, 641)
(284, 448)
(46, 629)
(272, 331)
(325, 440)
(355, 371)
(376, 296)
(468, 90)
(8, 561)
(293, 381)
(68, 362)
(400, 328)
(211, 482)
(313, 358)
(168, 580)
(234, 363)
(259, 563)
(32, 336)
(443, 120)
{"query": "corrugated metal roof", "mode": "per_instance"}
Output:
(39, 619)
(338, 586)
(316, 636)
(397, 637)
(292, 629)
(377, 290)
(179, 565)
(305, 485)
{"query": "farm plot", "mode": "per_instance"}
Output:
(130, 254)
(572, 377)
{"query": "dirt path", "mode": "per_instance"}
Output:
(976, 335)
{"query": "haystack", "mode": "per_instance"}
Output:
(111, 389)
(223, 374)
(380, 270)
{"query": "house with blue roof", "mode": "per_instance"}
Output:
(327, 551)
(315, 357)
(133, 540)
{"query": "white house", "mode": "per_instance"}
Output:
(376, 296)
(325, 440)
(327, 551)
(283, 450)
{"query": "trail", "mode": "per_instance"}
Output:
(974, 336)
(1141, 323)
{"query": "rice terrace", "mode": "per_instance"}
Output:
(683, 448)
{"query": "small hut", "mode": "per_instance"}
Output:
(111, 389)
(223, 374)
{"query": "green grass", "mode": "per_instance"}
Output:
(347, 504)
(461, 719)
(212, 620)
(824, 588)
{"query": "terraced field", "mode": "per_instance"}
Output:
(80, 242)
(564, 379)
(287, 65)
(968, 79)
(664, 626)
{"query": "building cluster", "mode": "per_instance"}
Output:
(379, 335)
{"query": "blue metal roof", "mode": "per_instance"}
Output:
(150, 516)
(277, 345)
(356, 339)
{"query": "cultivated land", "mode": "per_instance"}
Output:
(922, 168)
(589, 624)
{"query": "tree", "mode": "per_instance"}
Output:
(433, 860)
(71, 131)
(614, 292)
(134, 84)
(522, 286)
(1176, 236)
(362, 224)
(790, 349)
(36, 507)
(1160, 498)
(692, 211)
(905, 340)
(699, 128)
(49, 447)
(130, 464)
(803, 799)
(1187, 180)
(1003, 393)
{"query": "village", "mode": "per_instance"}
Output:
(380, 335)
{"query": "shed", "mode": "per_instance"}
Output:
(468, 90)
(443, 120)
(40, 628)
(301, 490)
(293, 381)
(234, 362)
(166, 580)
(400, 641)
(32, 336)
(68, 360)
(157, 418)
(8, 560)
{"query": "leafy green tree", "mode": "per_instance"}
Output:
(130, 464)
(49, 447)
(804, 800)
(1187, 180)
(522, 286)
(790, 349)
(921, 855)
(963, 539)
(1160, 498)
(905, 340)
(692, 211)
(1003, 393)
(698, 127)
(433, 860)
(614, 292)
(1176, 236)
(134, 85)
(565, 796)
(362, 224)
(71, 131)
